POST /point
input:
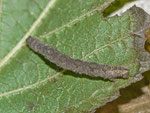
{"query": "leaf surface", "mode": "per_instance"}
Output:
(29, 83)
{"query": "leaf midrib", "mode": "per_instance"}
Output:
(22, 41)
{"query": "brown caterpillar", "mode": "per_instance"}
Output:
(82, 67)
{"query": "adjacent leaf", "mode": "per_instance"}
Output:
(142, 25)
(29, 83)
(115, 6)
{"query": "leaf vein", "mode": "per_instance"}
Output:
(80, 17)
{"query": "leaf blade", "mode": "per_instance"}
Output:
(42, 80)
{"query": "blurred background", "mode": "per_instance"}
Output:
(136, 97)
(145, 4)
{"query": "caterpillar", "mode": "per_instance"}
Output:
(76, 65)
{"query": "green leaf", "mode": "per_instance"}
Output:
(29, 83)
(16, 18)
(115, 6)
